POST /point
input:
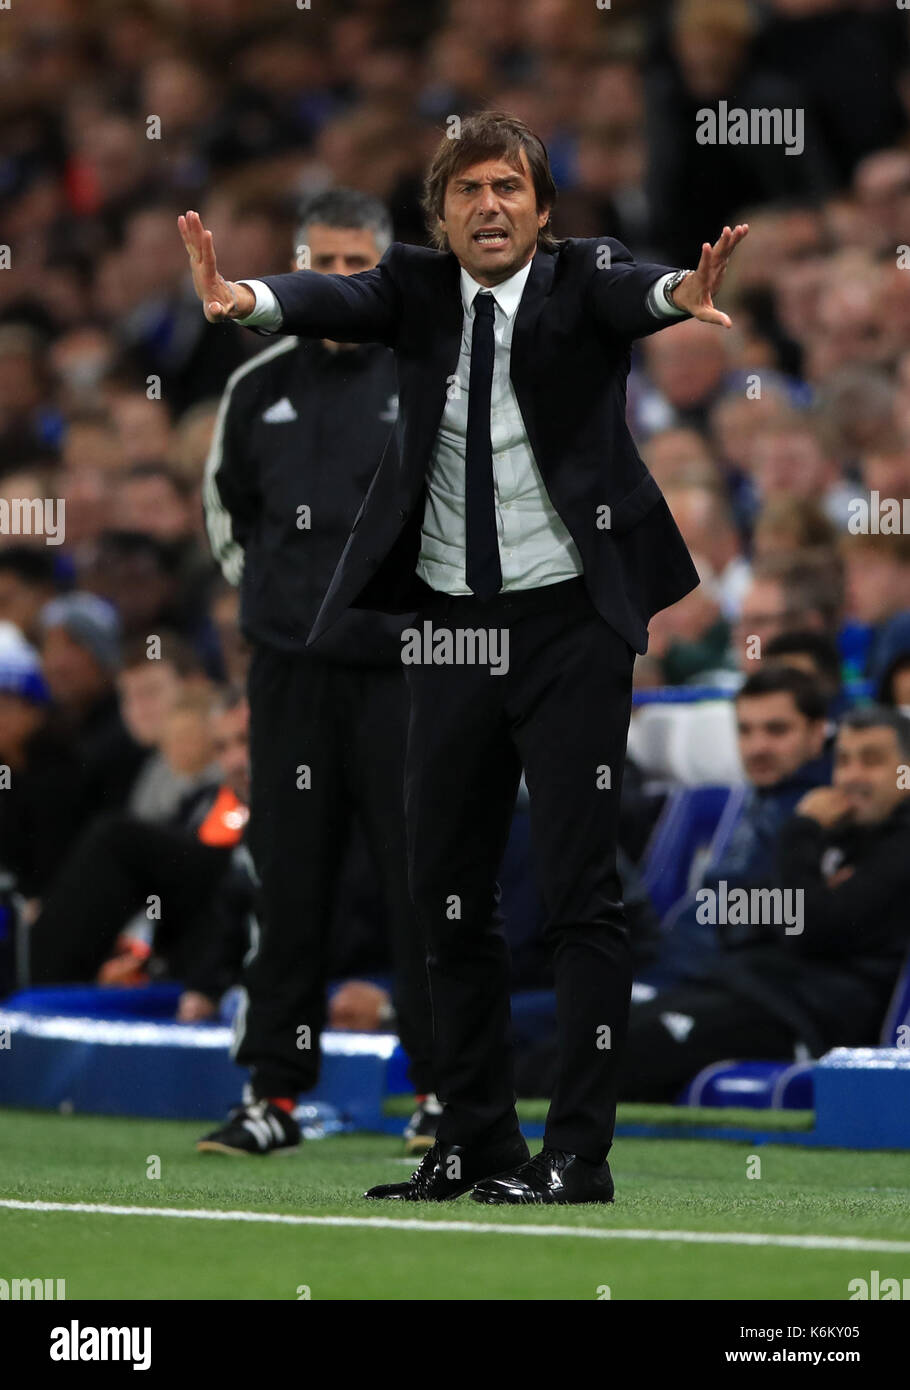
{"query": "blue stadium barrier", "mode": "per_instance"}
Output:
(158, 1001)
(862, 1098)
(176, 1071)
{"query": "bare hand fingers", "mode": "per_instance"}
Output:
(711, 315)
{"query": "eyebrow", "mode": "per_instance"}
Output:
(473, 183)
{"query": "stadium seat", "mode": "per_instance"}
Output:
(692, 743)
(752, 1085)
(898, 1015)
(686, 825)
(787, 1086)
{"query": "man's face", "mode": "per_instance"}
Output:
(766, 613)
(865, 770)
(232, 749)
(19, 718)
(340, 250)
(148, 694)
(789, 463)
(491, 219)
(72, 673)
(774, 738)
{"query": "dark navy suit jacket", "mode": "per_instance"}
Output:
(570, 358)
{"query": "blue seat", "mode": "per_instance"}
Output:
(898, 1015)
(752, 1085)
(788, 1086)
(687, 824)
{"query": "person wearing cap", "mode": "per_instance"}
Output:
(80, 657)
(40, 805)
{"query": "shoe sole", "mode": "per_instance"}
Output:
(452, 1197)
(486, 1201)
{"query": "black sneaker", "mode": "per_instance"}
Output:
(420, 1131)
(259, 1128)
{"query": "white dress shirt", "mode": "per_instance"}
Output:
(535, 547)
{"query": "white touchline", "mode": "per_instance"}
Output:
(388, 1223)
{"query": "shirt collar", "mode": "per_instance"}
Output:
(507, 294)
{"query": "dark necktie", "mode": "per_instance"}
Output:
(482, 571)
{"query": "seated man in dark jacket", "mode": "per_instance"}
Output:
(812, 963)
(781, 729)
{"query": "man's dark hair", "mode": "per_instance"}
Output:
(488, 135)
(228, 697)
(812, 583)
(807, 693)
(348, 208)
(880, 717)
(817, 645)
(129, 545)
(32, 564)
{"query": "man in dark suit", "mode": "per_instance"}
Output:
(516, 513)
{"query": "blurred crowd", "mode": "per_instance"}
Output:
(777, 444)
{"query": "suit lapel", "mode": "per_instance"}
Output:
(441, 340)
(537, 287)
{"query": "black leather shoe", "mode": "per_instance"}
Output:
(551, 1177)
(448, 1170)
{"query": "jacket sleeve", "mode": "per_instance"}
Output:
(230, 489)
(619, 290)
(855, 916)
(364, 308)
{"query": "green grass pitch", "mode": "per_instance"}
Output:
(663, 1186)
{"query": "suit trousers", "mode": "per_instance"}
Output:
(559, 709)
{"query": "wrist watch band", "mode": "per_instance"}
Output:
(670, 285)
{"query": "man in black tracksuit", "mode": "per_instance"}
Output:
(821, 977)
(299, 435)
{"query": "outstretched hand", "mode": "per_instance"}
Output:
(696, 293)
(221, 299)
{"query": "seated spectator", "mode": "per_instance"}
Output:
(890, 667)
(788, 526)
(143, 577)
(122, 866)
(781, 721)
(80, 657)
(27, 583)
(877, 585)
(705, 518)
(689, 642)
(787, 594)
(817, 655)
(151, 689)
(40, 786)
(823, 978)
(788, 457)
